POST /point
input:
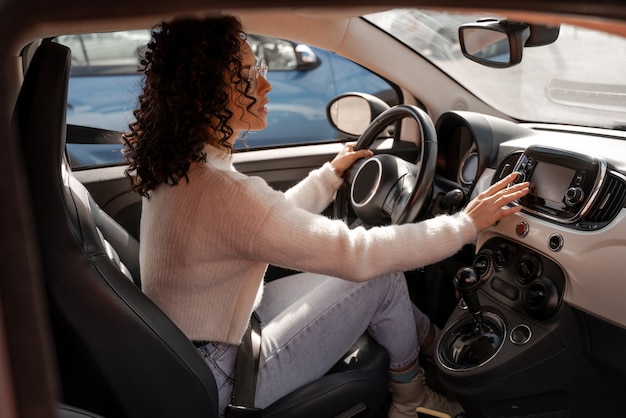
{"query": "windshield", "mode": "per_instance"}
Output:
(577, 80)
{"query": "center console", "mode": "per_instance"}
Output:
(511, 348)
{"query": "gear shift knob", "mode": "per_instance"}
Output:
(467, 282)
(474, 340)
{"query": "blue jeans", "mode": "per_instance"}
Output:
(309, 321)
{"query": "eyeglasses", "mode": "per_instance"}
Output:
(254, 72)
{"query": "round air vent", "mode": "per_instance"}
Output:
(541, 298)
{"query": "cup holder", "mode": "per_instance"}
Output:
(464, 345)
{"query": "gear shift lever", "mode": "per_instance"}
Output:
(474, 340)
(467, 282)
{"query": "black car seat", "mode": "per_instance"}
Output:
(118, 354)
(66, 411)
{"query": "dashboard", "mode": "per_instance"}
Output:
(551, 276)
(574, 214)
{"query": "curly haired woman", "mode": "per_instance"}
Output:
(208, 232)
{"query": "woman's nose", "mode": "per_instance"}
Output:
(264, 85)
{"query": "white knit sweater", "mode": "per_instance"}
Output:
(205, 244)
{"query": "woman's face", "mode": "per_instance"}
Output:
(255, 117)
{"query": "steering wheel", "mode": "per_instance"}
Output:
(384, 188)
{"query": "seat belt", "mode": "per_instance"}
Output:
(246, 369)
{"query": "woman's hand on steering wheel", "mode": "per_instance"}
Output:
(347, 157)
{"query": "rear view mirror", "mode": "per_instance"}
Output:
(493, 43)
(499, 44)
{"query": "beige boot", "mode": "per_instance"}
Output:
(407, 397)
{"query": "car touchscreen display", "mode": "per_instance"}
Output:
(550, 181)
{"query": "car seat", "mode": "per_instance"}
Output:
(118, 354)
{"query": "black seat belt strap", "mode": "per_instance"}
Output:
(246, 369)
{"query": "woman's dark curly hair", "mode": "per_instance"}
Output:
(191, 67)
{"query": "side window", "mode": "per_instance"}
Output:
(104, 86)
(103, 89)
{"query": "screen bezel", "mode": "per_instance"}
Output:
(589, 173)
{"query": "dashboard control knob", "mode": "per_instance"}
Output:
(528, 269)
(574, 195)
(483, 264)
(502, 255)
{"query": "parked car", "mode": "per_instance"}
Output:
(105, 84)
(541, 325)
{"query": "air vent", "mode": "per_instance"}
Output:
(506, 166)
(608, 203)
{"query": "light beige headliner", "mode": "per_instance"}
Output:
(326, 25)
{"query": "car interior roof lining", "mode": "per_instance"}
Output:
(282, 22)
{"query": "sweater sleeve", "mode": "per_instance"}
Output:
(294, 238)
(315, 192)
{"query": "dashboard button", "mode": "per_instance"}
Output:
(521, 229)
(579, 178)
(502, 256)
(505, 289)
(521, 334)
(555, 242)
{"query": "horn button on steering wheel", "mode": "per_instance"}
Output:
(379, 185)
